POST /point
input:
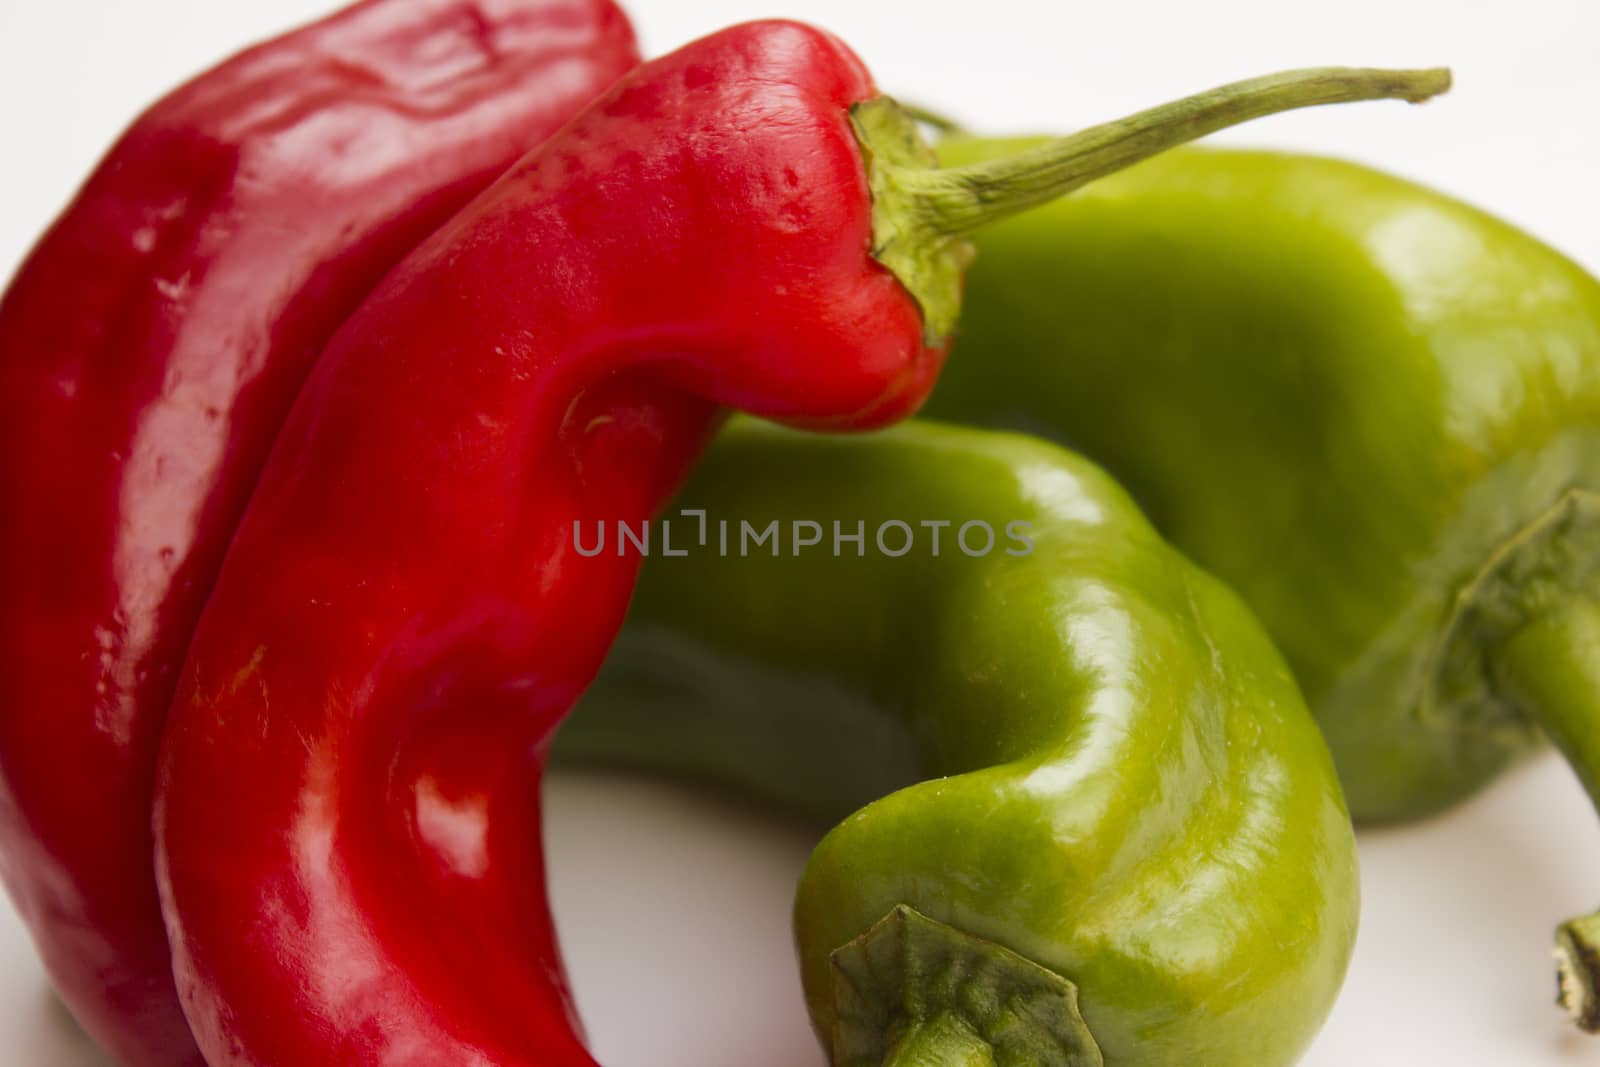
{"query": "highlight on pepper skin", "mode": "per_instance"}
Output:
(1073, 532)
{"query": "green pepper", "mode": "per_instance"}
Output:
(1100, 824)
(1372, 410)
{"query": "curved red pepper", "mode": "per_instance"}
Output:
(149, 350)
(347, 812)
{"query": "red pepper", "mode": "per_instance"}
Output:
(152, 345)
(347, 812)
(348, 809)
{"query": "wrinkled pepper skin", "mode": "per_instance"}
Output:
(1348, 396)
(150, 348)
(347, 806)
(1090, 755)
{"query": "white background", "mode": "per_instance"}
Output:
(674, 902)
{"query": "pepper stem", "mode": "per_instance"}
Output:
(943, 1041)
(960, 199)
(1551, 668)
(937, 121)
(915, 992)
(920, 212)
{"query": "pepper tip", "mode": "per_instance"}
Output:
(1431, 83)
(1577, 953)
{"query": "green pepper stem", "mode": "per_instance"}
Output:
(935, 996)
(960, 199)
(935, 120)
(1551, 668)
(943, 1041)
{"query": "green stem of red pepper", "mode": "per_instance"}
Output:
(920, 211)
(961, 199)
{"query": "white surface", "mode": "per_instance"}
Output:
(674, 903)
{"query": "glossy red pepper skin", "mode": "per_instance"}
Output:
(150, 348)
(347, 812)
